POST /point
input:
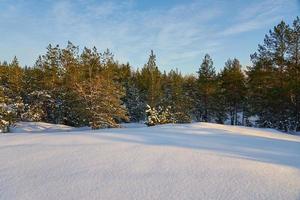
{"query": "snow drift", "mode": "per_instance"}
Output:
(192, 161)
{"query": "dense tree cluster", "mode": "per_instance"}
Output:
(274, 78)
(88, 88)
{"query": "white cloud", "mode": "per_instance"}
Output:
(258, 15)
(181, 32)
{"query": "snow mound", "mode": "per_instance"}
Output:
(36, 127)
(188, 161)
(133, 125)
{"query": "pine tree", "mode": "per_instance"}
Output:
(90, 63)
(50, 86)
(15, 87)
(206, 89)
(32, 79)
(70, 67)
(234, 88)
(15, 78)
(293, 74)
(51, 68)
(220, 107)
(271, 80)
(134, 103)
(102, 101)
(149, 81)
(175, 97)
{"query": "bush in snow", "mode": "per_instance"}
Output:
(160, 116)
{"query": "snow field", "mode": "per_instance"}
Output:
(192, 161)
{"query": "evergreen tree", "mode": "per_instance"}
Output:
(158, 116)
(90, 88)
(50, 85)
(220, 106)
(32, 79)
(234, 88)
(152, 116)
(90, 61)
(149, 81)
(102, 102)
(15, 78)
(51, 68)
(293, 74)
(190, 86)
(4, 122)
(134, 103)
(176, 98)
(275, 69)
(70, 67)
(39, 107)
(206, 89)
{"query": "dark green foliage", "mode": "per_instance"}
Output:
(149, 82)
(176, 98)
(134, 103)
(233, 84)
(206, 89)
(274, 78)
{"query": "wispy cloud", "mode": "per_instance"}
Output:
(258, 15)
(169, 32)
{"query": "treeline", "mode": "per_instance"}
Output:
(88, 88)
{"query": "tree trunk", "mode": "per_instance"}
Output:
(235, 115)
(232, 117)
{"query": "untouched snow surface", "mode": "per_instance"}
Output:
(42, 127)
(194, 161)
(37, 127)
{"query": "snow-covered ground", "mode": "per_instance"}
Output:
(38, 127)
(192, 161)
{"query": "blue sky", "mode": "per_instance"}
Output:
(179, 32)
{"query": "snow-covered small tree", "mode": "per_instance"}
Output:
(7, 112)
(38, 106)
(33, 113)
(4, 116)
(165, 115)
(152, 116)
(4, 126)
(158, 116)
(18, 107)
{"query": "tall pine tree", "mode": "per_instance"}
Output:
(206, 89)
